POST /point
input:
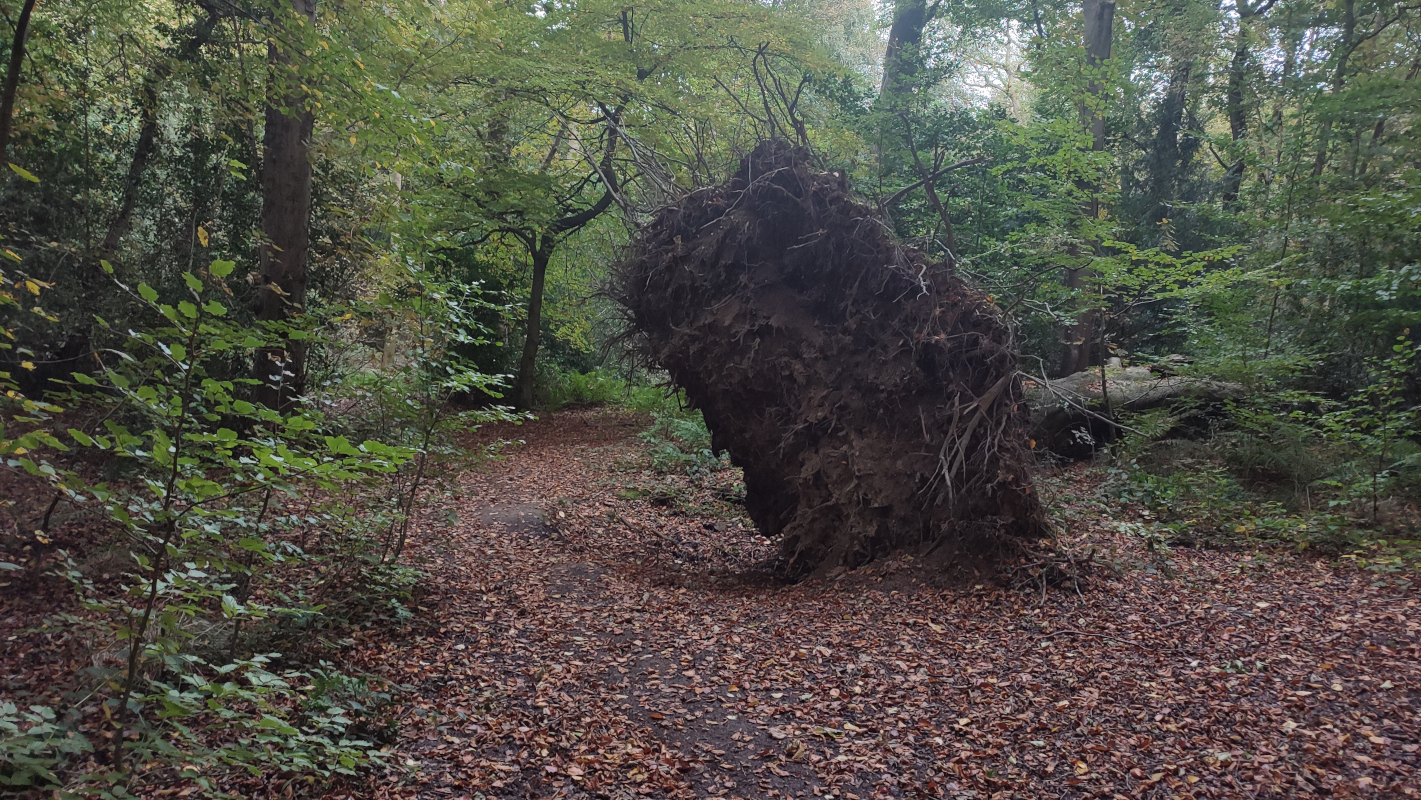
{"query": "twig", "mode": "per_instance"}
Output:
(1142, 645)
(640, 529)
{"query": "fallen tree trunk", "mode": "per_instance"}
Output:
(870, 397)
(1071, 416)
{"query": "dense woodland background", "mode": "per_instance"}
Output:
(1230, 192)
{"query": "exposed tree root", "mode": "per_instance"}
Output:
(871, 398)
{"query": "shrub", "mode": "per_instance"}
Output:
(218, 568)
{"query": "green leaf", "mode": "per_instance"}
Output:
(24, 173)
(187, 309)
(192, 281)
(147, 292)
(222, 269)
(214, 308)
(179, 352)
(81, 437)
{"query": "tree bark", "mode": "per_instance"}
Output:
(1099, 25)
(1339, 78)
(1233, 98)
(1238, 121)
(1380, 128)
(1168, 159)
(148, 137)
(286, 224)
(541, 249)
(902, 57)
(12, 79)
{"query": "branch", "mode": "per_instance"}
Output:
(609, 179)
(901, 193)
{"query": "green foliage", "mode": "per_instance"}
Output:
(410, 403)
(199, 520)
(1373, 424)
(34, 744)
(563, 388)
(1290, 468)
(1251, 205)
(218, 562)
(678, 441)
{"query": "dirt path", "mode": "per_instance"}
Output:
(578, 640)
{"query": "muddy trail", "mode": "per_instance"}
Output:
(589, 628)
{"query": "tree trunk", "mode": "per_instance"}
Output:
(1238, 121)
(1075, 355)
(142, 152)
(1339, 78)
(1380, 128)
(541, 249)
(76, 352)
(286, 224)
(1168, 159)
(12, 79)
(902, 56)
(1099, 24)
(148, 137)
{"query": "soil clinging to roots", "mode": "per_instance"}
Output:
(870, 397)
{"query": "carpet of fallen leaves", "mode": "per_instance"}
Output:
(591, 629)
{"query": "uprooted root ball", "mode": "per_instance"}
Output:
(870, 397)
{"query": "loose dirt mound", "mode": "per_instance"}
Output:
(870, 397)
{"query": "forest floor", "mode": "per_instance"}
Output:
(590, 628)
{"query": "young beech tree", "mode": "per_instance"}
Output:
(591, 107)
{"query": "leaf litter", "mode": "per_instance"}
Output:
(619, 644)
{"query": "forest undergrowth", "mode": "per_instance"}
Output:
(593, 626)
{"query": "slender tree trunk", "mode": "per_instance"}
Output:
(1099, 27)
(286, 223)
(1380, 128)
(1099, 24)
(1168, 160)
(1234, 100)
(147, 143)
(12, 79)
(541, 249)
(1339, 78)
(76, 352)
(1238, 121)
(142, 152)
(902, 58)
